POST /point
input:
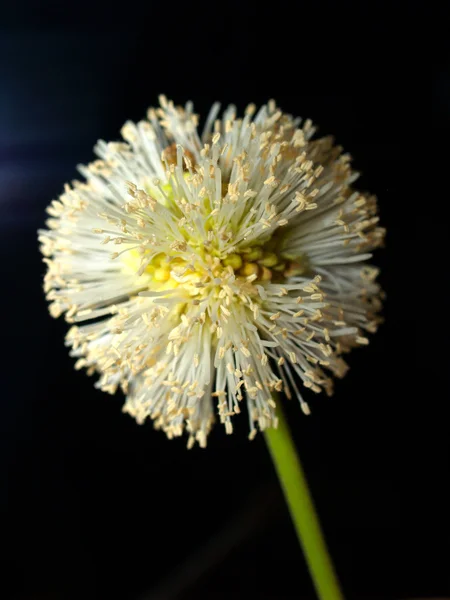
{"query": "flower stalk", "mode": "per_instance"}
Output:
(301, 507)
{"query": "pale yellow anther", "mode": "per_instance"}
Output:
(266, 274)
(234, 261)
(161, 275)
(269, 259)
(249, 269)
(254, 254)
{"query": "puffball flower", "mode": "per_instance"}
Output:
(213, 269)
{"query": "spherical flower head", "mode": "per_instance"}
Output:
(207, 271)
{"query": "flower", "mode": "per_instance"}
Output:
(212, 269)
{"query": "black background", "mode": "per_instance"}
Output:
(96, 507)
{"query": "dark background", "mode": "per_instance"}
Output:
(96, 507)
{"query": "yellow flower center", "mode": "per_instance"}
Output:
(206, 268)
(255, 264)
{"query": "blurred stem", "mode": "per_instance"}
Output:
(301, 508)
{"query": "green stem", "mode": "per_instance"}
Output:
(301, 507)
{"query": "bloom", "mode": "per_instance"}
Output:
(213, 269)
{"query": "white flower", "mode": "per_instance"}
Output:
(210, 269)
